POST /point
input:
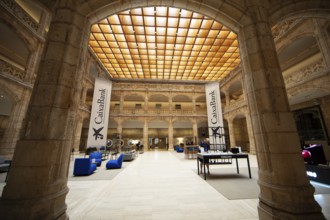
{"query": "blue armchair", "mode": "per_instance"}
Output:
(83, 167)
(115, 164)
(97, 157)
(178, 149)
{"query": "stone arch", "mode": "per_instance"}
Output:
(115, 96)
(181, 98)
(92, 69)
(84, 135)
(230, 14)
(240, 131)
(306, 93)
(132, 128)
(291, 9)
(138, 96)
(24, 43)
(235, 90)
(9, 92)
(10, 102)
(164, 98)
(158, 133)
(179, 122)
(200, 98)
(291, 41)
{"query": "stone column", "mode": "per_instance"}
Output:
(250, 133)
(15, 121)
(120, 128)
(83, 95)
(323, 39)
(170, 107)
(285, 191)
(44, 22)
(194, 104)
(146, 103)
(231, 132)
(227, 98)
(195, 132)
(37, 181)
(121, 104)
(77, 133)
(145, 135)
(170, 134)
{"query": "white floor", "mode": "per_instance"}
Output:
(159, 185)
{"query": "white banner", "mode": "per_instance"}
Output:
(98, 125)
(214, 115)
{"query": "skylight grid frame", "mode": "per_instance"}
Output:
(164, 43)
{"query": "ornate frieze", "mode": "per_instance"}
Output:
(9, 70)
(305, 74)
(20, 14)
(235, 104)
(284, 27)
(158, 87)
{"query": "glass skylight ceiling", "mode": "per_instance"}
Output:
(164, 43)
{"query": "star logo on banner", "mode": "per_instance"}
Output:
(215, 132)
(97, 133)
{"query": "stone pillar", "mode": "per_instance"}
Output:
(170, 134)
(194, 104)
(121, 104)
(170, 104)
(77, 133)
(15, 122)
(83, 94)
(14, 126)
(44, 22)
(195, 132)
(146, 104)
(231, 132)
(120, 128)
(250, 133)
(323, 39)
(285, 191)
(37, 181)
(227, 98)
(145, 135)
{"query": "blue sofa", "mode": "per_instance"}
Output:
(178, 149)
(115, 164)
(96, 157)
(83, 167)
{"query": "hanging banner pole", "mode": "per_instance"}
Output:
(215, 118)
(98, 124)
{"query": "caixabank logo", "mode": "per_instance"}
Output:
(100, 114)
(97, 133)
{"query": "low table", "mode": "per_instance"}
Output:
(222, 158)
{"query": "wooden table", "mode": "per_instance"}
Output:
(221, 158)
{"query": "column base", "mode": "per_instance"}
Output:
(269, 213)
(54, 208)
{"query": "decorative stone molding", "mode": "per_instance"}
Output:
(7, 69)
(284, 27)
(305, 74)
(21, 15)
(235, 104)
(157, 87)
